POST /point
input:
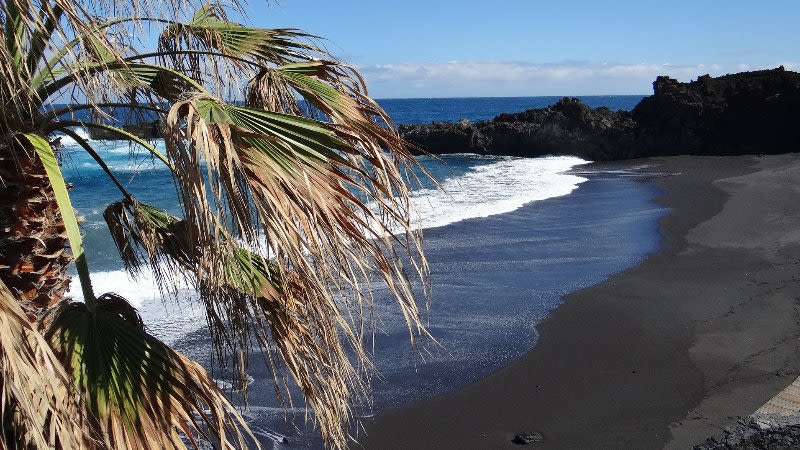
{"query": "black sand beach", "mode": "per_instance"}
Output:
(663, 354)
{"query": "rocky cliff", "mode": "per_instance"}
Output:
(745, 113)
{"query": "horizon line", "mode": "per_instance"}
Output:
(510, 96)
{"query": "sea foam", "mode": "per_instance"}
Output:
(69, 141)
(169, 319)
(502, 185)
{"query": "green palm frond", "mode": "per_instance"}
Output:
(163, 82)
(45, 153)
(209, 29)
(146, 235)
(135, 391)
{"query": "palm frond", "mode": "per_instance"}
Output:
(165, 83)
(292, 208)
(329, 201)
(209, 29)
(269, 91)
(145, 234)
(135, 391)
(36, 403)
(252, 299)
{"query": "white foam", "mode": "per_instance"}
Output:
(119, 282)
(228, 386)
(69, 141)
(501, 186)
(169, 320)
(129, 167)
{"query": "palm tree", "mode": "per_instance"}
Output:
(293, 186)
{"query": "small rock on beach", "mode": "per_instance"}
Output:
(527, 438)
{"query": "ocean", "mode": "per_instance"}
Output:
(506, 241)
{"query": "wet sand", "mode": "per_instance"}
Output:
(663, 354)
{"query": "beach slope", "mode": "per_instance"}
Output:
(663, 354)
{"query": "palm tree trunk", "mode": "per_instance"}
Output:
(33, 240)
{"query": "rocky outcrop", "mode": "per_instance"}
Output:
(144, 130)
(756, 433)
(745, 113)
(567, 127)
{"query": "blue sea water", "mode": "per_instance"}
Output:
(426, 110)
(506, 242)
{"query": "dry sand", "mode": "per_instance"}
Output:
(663, 354)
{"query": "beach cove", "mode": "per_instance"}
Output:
(354, 225)
(526, 235)
(510, 237)
(662, 354)
(495, 279)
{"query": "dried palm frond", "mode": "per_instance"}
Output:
(327, 198)
(37, 406)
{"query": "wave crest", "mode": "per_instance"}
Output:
(502, 186)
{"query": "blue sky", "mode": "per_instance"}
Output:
(446, 48)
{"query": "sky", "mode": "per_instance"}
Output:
(469, 48)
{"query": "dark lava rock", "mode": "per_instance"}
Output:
(144, 130)
(751, 112)
(751, 434)
(567, 127)
(745, 113)
(527, 438)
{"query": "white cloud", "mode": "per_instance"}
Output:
(500, 78)
(793, 66)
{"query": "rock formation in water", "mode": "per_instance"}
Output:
(744, 113)
(144, 130)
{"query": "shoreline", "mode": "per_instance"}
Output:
(664, 353)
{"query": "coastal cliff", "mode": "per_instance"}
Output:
(744, 113)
